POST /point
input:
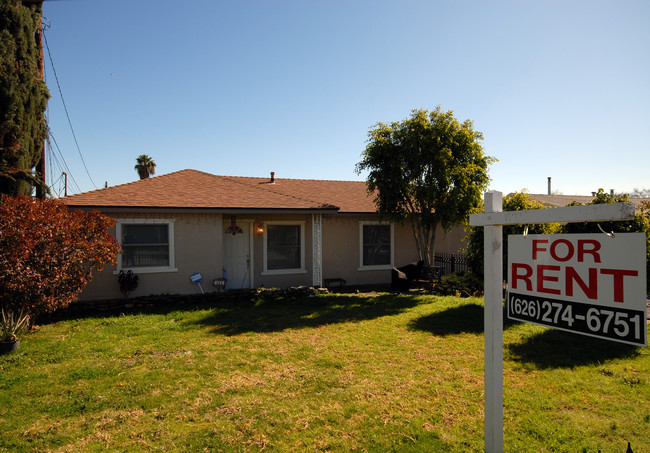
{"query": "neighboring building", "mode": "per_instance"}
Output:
(257, 231)
(558, 201)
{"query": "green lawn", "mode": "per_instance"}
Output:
(360, 372)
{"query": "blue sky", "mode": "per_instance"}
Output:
(558, 88)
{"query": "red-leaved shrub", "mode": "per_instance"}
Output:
(48, 253)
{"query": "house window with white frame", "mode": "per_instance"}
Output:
(147, 244)
(376, 241)
(284, 247)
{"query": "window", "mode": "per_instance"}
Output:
(376, 245)
(284, 248)
(147, 245)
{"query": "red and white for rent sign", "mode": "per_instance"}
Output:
(590, 284)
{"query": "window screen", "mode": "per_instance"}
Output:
(283, 247)
(145, 245)
(376, 245)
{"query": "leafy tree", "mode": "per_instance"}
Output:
(639, 224)
(429, 168)
(517, 201)
(23, 97)
(145, 166)
(48, 254)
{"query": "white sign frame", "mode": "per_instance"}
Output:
(493, 220)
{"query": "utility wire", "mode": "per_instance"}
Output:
(49, 157)
(56, 77)
(63, 167)
(48, 149)
(54, 189)
(54, 161)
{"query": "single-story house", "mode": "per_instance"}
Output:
(269, 232)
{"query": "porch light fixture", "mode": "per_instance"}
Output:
(234, 229)
(259, 229)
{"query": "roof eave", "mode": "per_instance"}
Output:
(199, 210)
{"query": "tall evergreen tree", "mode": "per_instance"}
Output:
(23, 96)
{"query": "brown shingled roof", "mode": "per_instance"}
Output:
(192, 189)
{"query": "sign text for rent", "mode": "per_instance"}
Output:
(590, 284)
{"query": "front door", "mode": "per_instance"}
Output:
(236, 254)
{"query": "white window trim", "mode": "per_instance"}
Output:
(302, 269)
(147, 270)
(392, 247)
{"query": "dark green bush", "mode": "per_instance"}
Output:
(460, 284)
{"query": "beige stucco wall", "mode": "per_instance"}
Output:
(198, 247)
(452, 241)
(342, 248)
(282, 280)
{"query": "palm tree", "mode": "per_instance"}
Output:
(145, 166)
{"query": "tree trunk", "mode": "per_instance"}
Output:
(425, 236)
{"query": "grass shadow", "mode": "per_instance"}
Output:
(244, 313)
(146, 305)
(463, 319)
(274, 315)
(559, 349)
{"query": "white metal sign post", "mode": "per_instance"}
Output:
(493, 219)
(493, 326)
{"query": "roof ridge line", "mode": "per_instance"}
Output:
(132, 182)
(284, 194)
(293, 179)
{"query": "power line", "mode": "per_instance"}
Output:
(63, 167)
(60, 164)
(56, 77)
(54, 189)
